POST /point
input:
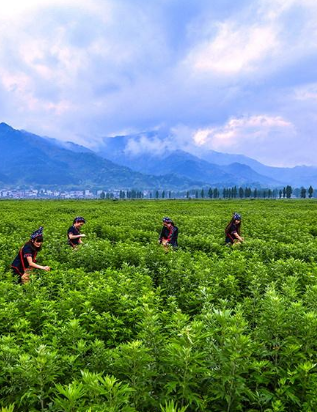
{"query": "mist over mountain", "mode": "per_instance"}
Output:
(69, 145)
(27, 159)
(187, 165)
(152, 152)
(143, 161)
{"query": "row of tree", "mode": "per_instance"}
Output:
(214, 193)
(247, 192)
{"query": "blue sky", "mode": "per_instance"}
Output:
(227, 75)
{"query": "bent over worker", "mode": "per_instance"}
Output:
(233, 230)
(25, 260)
(169, 234)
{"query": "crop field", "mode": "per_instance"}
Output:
(120, 325)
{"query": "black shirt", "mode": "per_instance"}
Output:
(170, 235)
(231, 232)
(20, 262)
(73, 231)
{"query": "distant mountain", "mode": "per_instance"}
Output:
(246, 175)
(184, 164)
(27, 159)
(295, 176)
(213, 167)
(142, 161)
(129, 150)
(69, 145)
(124, 150)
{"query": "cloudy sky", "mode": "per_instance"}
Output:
(232, 76)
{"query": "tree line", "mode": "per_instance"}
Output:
(214, 193)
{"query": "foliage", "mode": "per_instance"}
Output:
(119, 325)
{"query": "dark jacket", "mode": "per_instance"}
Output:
(230, 232)
(74, 231)
(170, 235)
(20, 263)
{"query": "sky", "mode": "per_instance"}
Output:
(225, 75)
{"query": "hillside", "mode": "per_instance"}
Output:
(27, 159)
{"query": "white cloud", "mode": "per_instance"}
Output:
(235, 49)
(18, 8)
(82, 69)
(260, 40)
(263, 137)
(201, 136)
(239, 132)
(273, 9)
(143, 144)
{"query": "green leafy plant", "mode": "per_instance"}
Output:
(120, 325)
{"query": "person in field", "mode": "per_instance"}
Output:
(233, 230)
(73, 234)
(169, 234)
(25, 260)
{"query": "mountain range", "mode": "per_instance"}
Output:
(31, 160)
(132, 161)
(217, 168)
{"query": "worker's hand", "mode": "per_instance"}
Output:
(83, 235)
(47, 268)
(25, 278)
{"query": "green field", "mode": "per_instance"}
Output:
(119, 325)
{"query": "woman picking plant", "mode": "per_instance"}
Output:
(25, 260)
(73, 234)
(169, 234)
(233, 230)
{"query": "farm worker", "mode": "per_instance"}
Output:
(25, 260)
(73, 234)
(169, 234)
(233, 229)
